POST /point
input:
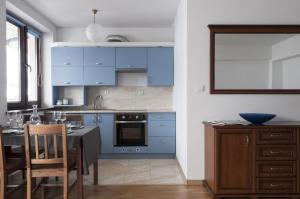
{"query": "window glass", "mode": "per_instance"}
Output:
(13, 63)
(32, 67)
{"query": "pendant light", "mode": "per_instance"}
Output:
(93, 31)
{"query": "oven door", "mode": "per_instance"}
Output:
(131, 133)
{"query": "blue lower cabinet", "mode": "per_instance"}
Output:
(161, 145)
(99, 76)
(106, 124)
(161, 128)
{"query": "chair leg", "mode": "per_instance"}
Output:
(66, 185)
(3, 186)
(29, 184)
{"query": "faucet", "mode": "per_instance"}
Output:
(98, 101)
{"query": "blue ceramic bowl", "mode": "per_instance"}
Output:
(257, 118)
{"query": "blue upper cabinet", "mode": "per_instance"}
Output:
(160, 66)
(131, 58)
(99, 66)
(67, 66)
(99, 56)
(67, 56)
(99, 76)
(67, 76)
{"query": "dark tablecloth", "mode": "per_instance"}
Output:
(89, 136)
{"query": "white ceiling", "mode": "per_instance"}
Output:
(115, 13)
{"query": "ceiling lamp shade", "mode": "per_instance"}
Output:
(93, 31)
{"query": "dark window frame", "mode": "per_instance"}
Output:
(24, 29)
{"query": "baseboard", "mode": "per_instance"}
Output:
(194, 182)
(181, 171)
(188, 182)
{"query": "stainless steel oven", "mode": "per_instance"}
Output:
(130, 129)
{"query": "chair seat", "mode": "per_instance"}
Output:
(14, 164)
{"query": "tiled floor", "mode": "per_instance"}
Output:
(137, 171)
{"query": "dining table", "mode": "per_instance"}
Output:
(85, 140)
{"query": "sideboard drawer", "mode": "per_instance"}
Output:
(276, 169)
(276, 136)
(276, 152)
(265, 185)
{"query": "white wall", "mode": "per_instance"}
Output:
(203, 106)
(133, 34)
(180, 84)
(2, 61)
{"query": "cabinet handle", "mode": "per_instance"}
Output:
(276, 185)
(247, 140)
(67, 82)
(99, 82)
(275, 135)
(98, 63)
(275, 152)
(162, 125)
(130, 66)
(67, 63)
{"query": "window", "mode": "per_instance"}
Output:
(22, 51)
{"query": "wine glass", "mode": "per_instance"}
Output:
(8, 118)
(63, 117)
(19, 119)
(56, 116)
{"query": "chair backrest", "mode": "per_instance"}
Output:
(38, 138)
(2, 154)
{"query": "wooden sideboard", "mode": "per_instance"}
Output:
(253, 161)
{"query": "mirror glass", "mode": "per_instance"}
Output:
(257, 61)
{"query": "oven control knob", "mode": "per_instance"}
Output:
(123, 117)
(136, 117)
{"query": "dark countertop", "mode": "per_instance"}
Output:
(244, 124)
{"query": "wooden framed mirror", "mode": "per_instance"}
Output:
(254, 59)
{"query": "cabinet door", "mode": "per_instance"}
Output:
(99, 56)
(235, 161)
(67, 76)
(160, 66)
(106, 123)
(161, 128)
(161, 145)
(131, 58)
(100, 76)
(67, 56)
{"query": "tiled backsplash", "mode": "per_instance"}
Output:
(132, 97)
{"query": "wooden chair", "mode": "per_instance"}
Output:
(56, 162)
(8, 166)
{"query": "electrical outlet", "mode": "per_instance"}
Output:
(140, 92)
(105, 92)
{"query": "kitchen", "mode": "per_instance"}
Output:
(162, 88)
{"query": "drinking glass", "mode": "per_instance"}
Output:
(63, 117)
(8, 118)
(56, 116)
